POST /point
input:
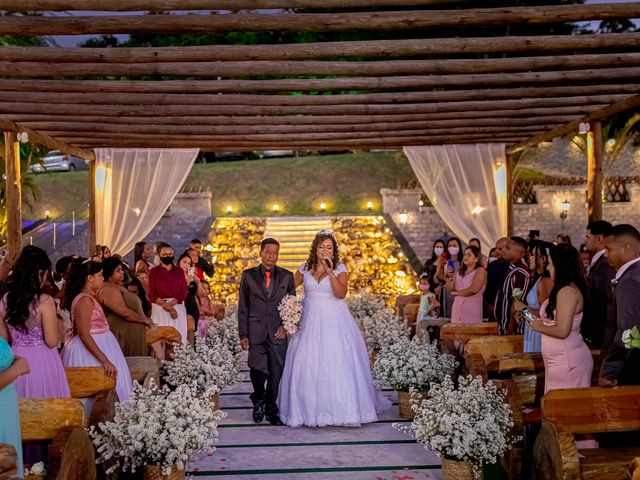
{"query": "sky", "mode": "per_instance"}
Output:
(75, 40)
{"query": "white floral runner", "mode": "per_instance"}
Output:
(263, 452)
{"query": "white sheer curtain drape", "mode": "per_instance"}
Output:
(467, 185)
(134, 187)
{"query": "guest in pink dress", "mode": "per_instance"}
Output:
(567, 359)
(467, 287)
(90, 343)
(30, 325)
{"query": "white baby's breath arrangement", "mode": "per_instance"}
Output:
(412, 364)
(211, 366)
(472, 423)
(226, 330)
(290, 310)
(378, 324)
(160, 427)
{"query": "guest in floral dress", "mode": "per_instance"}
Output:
(92, 344)
(30, 324)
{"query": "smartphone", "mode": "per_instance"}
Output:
(528, 315)
(451, 264)
(191, 271)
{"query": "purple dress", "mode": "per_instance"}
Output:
(46, 378)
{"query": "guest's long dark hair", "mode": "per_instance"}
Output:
(78, 279)
(476, 253)
(138, 250)
(25, 285)
(568, 269)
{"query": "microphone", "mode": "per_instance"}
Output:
(326, 262)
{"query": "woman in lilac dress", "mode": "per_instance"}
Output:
(31, 326)
(567, 359)
(467, 287)
(91, 343)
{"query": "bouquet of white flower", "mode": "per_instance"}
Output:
(410, 364)
(226, 330)
(290, 310)
(211, 366)
(472, 423)
(157, 427)
(631, 338)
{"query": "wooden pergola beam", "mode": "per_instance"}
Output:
(337, 99)
(572, 127)
(416, 82)
(318, 22)
(453, 126)
(303, 51)
(233, 5)
(243, 110)
(13, 194)
(196, 128)
(53, 143)
(471, 115)
(310, 67)
(595, 174)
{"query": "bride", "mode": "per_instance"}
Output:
(326, 378)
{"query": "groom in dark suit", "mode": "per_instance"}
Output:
(621, 366)
(260, 327)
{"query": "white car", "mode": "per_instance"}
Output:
(56, 161)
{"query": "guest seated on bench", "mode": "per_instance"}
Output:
(92, 344)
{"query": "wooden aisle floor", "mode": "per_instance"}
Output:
(247, 451)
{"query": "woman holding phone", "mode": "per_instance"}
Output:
(194, 287)
(450, 262)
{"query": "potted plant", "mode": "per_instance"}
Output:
(466, 427)
(158, 429)
(210, 366)
(407, 365)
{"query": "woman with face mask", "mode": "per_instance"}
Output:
(448, 264)
(167, 292)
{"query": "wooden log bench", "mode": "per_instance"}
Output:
(403, 300)
(8, 462)
(571, 412)
(61, 421)
(410, 313)
(143, 369)
(161, 339)
(454, 336)
(482, 355)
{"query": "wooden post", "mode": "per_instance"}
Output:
(509, 160)
(13, 195)
(92, 208)
(595, 155)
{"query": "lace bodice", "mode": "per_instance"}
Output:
(35, 333)
(321, 289)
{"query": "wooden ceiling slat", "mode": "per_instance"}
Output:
(233, 5)
(303, 51)
(290, 68)
(387, 20)
(239, 110)
(572, 77)
(289, 100)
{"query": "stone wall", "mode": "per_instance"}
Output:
(424, 226)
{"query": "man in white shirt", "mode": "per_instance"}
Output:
(621, 366)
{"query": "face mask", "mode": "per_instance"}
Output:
(453, 251)
(438, 251)
(166, 260)
(424, 287)
(156, 260)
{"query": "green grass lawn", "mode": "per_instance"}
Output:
(344, 182)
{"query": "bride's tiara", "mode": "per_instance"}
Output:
(325, 233)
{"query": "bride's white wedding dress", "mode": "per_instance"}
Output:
(327, 378)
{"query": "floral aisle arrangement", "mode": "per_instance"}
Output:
(471, 424)
(410, 365)
(290, 310)
(378, 324)
(210, 366)
(226, 331)
(159, 429)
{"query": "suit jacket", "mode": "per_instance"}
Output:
(258, 317)
(620, 363)
(594, 322)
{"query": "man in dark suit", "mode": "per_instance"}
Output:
(599, 276)
(621, 366)
(260, 327)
